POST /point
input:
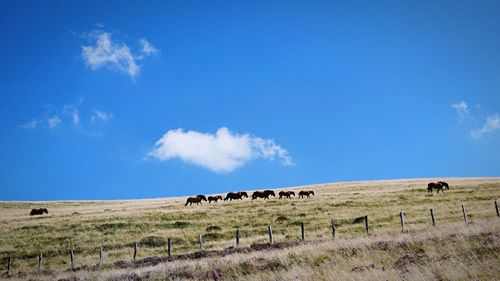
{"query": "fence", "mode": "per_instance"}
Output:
(362, 219)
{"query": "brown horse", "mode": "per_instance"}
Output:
(305, 193)
(192, 200)
(35, 212)
(214, 198)
(286, 194)
(202, 197)
(263, 194)
(437, 185)
(234, 196)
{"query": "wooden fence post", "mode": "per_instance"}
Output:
(72, 258)
(302, 231)
(169, 247)
(101, 257)
(200, 239)
(135, 251)
(366, 225)
(270, 232)
(496, 208)
(465, 214)
(432, 217)
(237, 237)
(9, 265)
(333, 229)
(402, 218)
(40, 263)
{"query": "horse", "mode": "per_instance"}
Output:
(445, 185)
(214, 198)
(35, 212)
(192, 200)
(243, 194)
(286, 194)
(234, 196)
(202, 197)
(305, 193)
(435, 185)
(263, 194)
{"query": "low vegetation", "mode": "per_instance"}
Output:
(422, 253)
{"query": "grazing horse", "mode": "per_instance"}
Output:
(234, 196)
(286, 194)
(202, 197)
(435, 185)
(35, 212)
(263, 194)
(214, 198)
(305, 193)
(445, 185)
(192, 200)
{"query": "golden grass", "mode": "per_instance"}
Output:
(87, 225)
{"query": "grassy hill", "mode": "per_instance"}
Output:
(423, 252)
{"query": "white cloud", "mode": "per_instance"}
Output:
(103, 51)
(462, 110)
(221, 153)
(30, 124)
(492, 123)
(54, 121)
(100, 115)
(147, 47)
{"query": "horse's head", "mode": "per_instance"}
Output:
(219, 197)
(292, 193)
(45, 211)
(272, 193)
(311, 192)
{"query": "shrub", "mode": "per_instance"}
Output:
(153, 241)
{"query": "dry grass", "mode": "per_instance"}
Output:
(115, 225)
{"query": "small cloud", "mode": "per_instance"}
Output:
(73, 112)
(54, 121)
(32, 124)
(222, 152)
(100, 115)
(148, 48)
(104, 52)
(492, 123)
(462, 110)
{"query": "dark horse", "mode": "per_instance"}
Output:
(263, 194)
(243, 194)
(202, 197)
(305, 193)
(437, 185)
(35, 212)
(286, 194)
(234, 196)
(192, 200)
(214, 198)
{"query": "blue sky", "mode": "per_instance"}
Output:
(122, 99)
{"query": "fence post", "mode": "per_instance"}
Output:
(9, 265)
(496, 208)
(302, 231)
(101, 257)
(333, 229)
(402, 218)
(366, 225)
(40, 263)
(432, 217)
(237, 237)
(169, 247)
(270, 231)
(135, 250)
(72, 258)
(465, 214)
(200, 239)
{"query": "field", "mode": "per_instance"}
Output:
(449, 251)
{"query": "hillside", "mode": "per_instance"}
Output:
(422, 251)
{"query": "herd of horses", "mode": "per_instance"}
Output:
(439, 186)
(242, 194)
